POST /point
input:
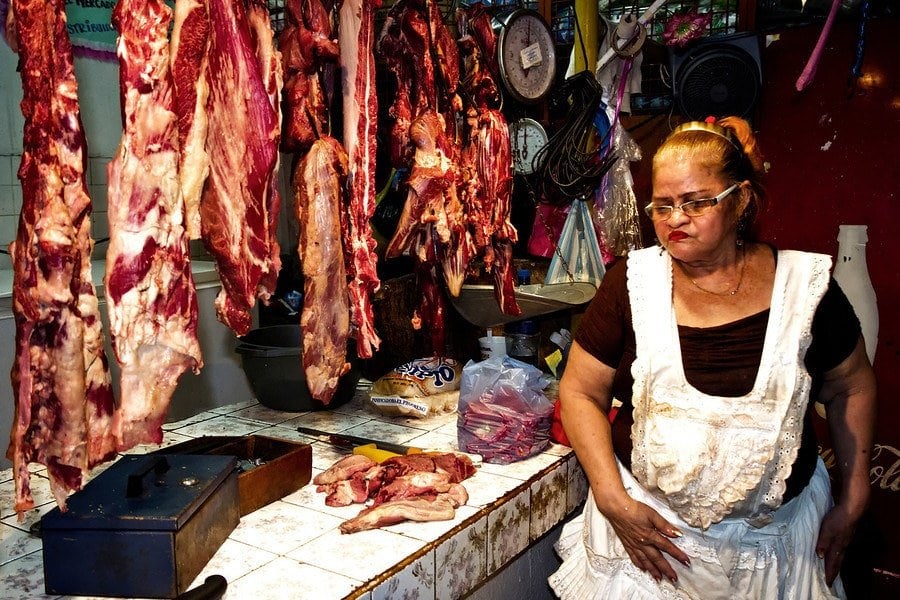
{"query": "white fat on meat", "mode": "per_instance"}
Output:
(360, 103)
(150, 293)
(60, 379)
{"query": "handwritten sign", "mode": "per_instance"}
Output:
(531, 56)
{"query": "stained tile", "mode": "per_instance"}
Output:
(508, 531)
(170, 438)
(332, 421)
(577, 490)
(264, 414)
(225, 410)
(280, 527)
(414, 582)
(285, 578)
(523, 469)
(462, 560)
(198, 418)
(29, 518)
(363, 555)
(387, 432)
(15, 543)
(221, 425)
(548, 501)
(6, 475)
(23, 578)
(40, 491)
(485, 488)
(434, 441)
(233, 560)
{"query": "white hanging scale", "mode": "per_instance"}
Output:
(527, 137)
(526, 55)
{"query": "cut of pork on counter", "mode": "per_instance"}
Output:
(415, 487)
(61, 382)
(240, 203)
(150, 292)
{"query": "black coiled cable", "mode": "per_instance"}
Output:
(565, 169)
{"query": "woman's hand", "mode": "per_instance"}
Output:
(646, 536)
(835, 534)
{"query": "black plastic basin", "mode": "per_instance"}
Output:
(272, 361)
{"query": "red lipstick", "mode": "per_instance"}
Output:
(677, 236)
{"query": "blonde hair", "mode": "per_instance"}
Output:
(726, 145)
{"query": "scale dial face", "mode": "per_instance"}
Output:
(527, 56)
(527, 137)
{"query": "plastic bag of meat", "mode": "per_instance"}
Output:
(419, 388)
(503, 414)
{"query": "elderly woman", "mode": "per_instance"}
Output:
(708, 483)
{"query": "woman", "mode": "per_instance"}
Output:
(708, 483)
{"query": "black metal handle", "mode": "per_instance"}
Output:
(135, 485)
(212, 589)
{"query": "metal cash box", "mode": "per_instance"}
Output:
(145, 527)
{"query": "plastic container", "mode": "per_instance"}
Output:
(492, 345)
(523, 341)
(272, 361)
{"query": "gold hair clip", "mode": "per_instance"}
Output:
(708, 126)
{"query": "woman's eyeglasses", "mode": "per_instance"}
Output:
(691, 208)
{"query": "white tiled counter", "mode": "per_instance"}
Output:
(293, 548)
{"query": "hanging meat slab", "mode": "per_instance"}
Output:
(150, 292)
(189, 45)
(61, 382)
(319, 183)
(360, 104)
(239, 205)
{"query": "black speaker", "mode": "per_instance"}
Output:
(717, 76)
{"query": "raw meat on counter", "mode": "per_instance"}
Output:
(60, 376)
(150, 294)
(417, 487)
(239, 208)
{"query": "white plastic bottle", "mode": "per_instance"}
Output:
(852, 273)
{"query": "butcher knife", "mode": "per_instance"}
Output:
(342, 440)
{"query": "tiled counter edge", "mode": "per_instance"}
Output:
(509, 508)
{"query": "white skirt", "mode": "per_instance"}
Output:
(730, 560)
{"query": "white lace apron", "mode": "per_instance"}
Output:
(725, 470)
(711, 456)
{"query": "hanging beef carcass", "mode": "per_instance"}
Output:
(320, 195)
(487, 196)
(306, 46)
(150, 294)
(319, 183)
(360, 115)
(61, 382)
(422, 55)
(188, 52)
(240, 202)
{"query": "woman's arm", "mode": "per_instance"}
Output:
(848, 393)
(585, 394)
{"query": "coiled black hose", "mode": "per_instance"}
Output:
(565, 169)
